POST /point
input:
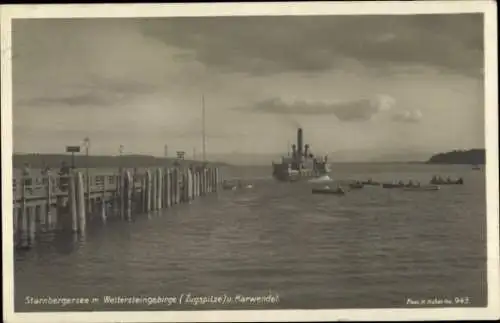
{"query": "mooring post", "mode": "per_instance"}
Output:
(123, 194)
(159, 185)
(217, 179)
(178, 183)
(48, 208)
(129, 186)
(143, 193)
(174, 183)
(168, 188)
(173, 186)
(189, 183)
(81, 201)
(149, 186)
(196, 179)
(205, 181)
(72, 202)
(210, 180)
(31, 224)
(103, 198)
(200, 182)
(154, 192)
(24, 214)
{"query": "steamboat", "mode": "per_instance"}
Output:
(302, 164)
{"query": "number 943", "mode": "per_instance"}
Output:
(462, 300)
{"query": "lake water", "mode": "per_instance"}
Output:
(372, 248)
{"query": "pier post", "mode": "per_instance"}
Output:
(154, 190)
(32, 224)
(159, 194)
(129, 186)
(149, 186)
(183, 186)
(196, 182)
(24, 215)
(168, 188)
(204, 180)
(210, 180)
(80, 197)
(217, 179)
(86, 192)
(48, 208)
(189, 183)
(178, 191)
(175, 184)
(72, 202)
(103, 199)
(24, 240)
(144, 189)
(123, 194)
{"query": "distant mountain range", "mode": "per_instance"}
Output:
(343, 156)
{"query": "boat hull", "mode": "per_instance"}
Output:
(422, 188)
(327, 192)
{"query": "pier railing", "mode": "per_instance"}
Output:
(68, 202)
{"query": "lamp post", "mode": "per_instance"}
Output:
(86, 144)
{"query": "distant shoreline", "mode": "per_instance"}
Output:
(460, 157)
(93, 161)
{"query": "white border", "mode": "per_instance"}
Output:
(243, 9)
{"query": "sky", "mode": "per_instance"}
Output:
(362, 83)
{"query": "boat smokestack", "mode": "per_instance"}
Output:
(300, 145)
(294, 151)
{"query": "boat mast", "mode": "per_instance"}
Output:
(203, 126)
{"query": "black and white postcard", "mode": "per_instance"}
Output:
(225, 162)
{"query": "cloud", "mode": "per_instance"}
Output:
(409, 116)
(266, 45)
(353, 110)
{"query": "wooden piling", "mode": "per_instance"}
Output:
(24, 227)
(72, 202)
(154, 190)
(217, 179)
(24, 214)
(196, 184)
(103, 199)
(210, 180)
(129, 187)
(178, 186)
(81, 201)
(149, 186)
(144, 195)
(159, 194)
(168, 188)
(32, 223)
(123, 194)
(49, 197)
(189, 182)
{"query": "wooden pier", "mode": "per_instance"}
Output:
(67, 203)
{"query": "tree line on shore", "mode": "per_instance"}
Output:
(471, 156)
